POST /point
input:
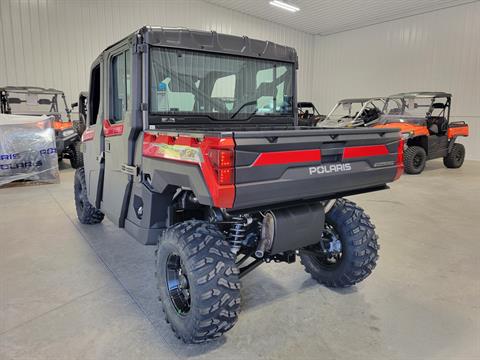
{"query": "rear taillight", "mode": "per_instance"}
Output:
(215, 156)
(399, 161)
(222, 163)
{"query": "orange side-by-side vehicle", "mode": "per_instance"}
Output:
(424, 121)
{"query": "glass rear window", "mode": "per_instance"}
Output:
(225, 86)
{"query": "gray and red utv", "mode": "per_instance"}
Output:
(192, 145)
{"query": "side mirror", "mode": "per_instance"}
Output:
(74, 105)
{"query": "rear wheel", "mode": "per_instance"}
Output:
(348, 250)
(455, 157)
(415, 159)
(198, 281)
(86, 212)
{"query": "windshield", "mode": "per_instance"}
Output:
(224, 87)
(33, 103)
(353, 113)
(412, 110)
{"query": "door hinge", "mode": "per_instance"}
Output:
(141, 48)
(129, 169)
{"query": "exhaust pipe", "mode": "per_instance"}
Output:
(266, 238)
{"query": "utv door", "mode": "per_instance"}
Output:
(116, 129)
(93, 137)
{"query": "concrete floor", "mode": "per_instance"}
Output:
(70, 291)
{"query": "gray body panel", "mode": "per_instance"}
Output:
(270, 184)
(93, 149)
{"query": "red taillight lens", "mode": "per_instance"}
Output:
(221, 158)
(222, 162)
(399, 161)
(225, 176)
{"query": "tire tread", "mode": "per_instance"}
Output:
(361, 237)
(215, 275)
(88, 214)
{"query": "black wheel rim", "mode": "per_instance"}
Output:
(329, 249)
(417, 161)
(177, 284)
(458, 156)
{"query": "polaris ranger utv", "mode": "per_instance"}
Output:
(423, 119)
(33, 100)
(192, 145)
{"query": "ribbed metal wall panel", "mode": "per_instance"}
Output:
(325, 17)
(52, 43)
(437, 51)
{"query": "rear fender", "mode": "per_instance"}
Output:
(421, 141)
(458, 128)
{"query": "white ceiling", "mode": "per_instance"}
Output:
(324, 17)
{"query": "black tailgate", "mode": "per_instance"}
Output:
(280, 166)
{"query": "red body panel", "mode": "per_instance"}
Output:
(287, 157)
(457, 131)
(110, 129)
(416, 130)
(62, 125)
(219, 179)
(362, 151)
(88, 134)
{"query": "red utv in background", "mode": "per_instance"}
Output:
(424, 121)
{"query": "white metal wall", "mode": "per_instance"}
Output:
(52, 43)
(438, 51)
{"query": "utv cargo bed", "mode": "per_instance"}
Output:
(280, 166)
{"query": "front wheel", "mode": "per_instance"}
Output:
(348, 250)
(414, 159)
(76, 155)
(86, 212)
(455, 157)
(198, 281)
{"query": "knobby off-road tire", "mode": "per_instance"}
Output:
(76, 156)
(212, 281)
(86, 212)
(415, 159)
(359, 247)
(455, 157)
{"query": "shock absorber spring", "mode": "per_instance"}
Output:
(237, 232)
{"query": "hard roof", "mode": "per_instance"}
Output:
(354, 100)
(31, 89)
(424, 94)
(211, 41)
(305, 104)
